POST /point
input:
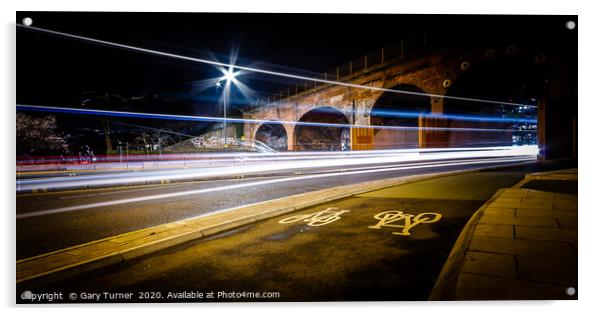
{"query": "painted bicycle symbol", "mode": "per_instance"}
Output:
(321, 218)
(403, 220)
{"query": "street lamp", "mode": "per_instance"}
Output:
(229, 76)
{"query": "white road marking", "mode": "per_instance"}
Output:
(258, 183)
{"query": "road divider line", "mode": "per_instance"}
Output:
(65, 263)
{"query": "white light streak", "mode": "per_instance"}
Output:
(258, 183)
(247, 120)
(238, 166)
(258, 70)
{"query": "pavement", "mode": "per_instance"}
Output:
(388, 244)
(521, 245)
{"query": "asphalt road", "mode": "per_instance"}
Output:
(55, 220)
(352, 255)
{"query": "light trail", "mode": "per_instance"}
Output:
(53, 109)
(258, 70)
(477, 118)
(69, 164)
(258, 183)
(266, 165)
(309, 160)
(250, 155)
(340, 171)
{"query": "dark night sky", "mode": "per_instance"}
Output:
(55, 71)
(303, 44)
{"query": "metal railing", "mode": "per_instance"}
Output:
(385, 55)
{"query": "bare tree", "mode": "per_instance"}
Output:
(38, 135)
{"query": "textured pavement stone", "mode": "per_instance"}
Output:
(537, 248)
(524, 245)
(481, 287)
(569, 223)
(502, 231)
(490, 264)
(516, 204)
(512, 220)
(561, 272)
(533, 212)
(500, 211)
(565, 205)
(539, 233)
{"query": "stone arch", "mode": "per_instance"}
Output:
(274, 134)
(304, 108)
(396, 117)
(313, 132)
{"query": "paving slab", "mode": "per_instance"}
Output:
(494, 230)
(492, 264)
(522, 244)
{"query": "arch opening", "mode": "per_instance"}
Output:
(272, 134)
(319, 137)
(399, 110)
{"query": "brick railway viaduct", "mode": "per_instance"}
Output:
(507, 74)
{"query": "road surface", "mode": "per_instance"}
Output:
(55, 220)
(355, 254)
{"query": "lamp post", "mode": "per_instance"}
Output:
(225, 123)
(229, 76)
